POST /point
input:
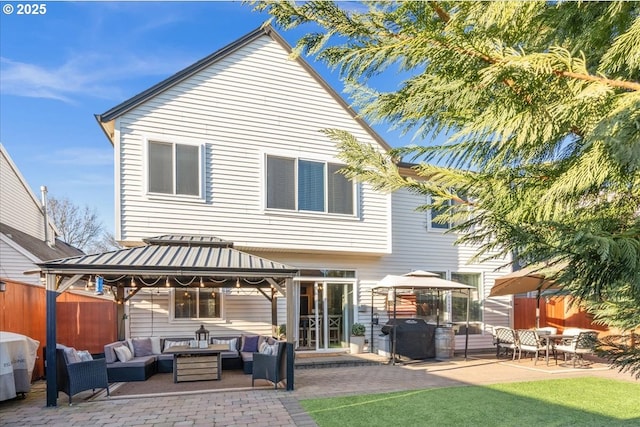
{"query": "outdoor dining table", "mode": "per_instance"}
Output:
(549, 338)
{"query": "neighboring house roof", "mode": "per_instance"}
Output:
(176, 256)
(38, 248)
(106, 119)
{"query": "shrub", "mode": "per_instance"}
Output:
(357, 330)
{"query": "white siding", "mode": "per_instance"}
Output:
(13, 264)
(253, 102)
(148, 315)
(20, 209)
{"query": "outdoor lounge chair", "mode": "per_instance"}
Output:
(581, 344)
(270, 367)
(505, 338)
(76, 376)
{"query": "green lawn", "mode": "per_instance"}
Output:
(562, 402)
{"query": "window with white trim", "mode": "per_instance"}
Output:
(307, 185)
(196, 303)
(173, 168)
(432, 214)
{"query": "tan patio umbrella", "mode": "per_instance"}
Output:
(529, 279)
(535, 278)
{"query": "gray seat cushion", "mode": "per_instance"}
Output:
(136, 362)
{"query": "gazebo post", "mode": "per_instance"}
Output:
(51, 368)
(291, 327)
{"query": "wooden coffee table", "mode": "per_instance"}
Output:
(197, 364)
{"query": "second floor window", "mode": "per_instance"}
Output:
(174, 169)
(305, 185)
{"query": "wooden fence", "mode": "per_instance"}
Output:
(556, 312)
(83, 322)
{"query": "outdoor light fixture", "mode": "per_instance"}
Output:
(90, 282)
(133, 282)
(3, 286)
(167, 283)
(238, 282)
(201, 283)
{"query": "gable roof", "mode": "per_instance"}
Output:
(106, 119)
(36, 247)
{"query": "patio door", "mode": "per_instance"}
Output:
(330, 314)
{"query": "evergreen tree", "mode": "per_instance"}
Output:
(540, 106)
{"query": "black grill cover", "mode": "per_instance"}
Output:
(415, 338)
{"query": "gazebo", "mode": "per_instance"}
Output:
(421, 280)
(170, 260)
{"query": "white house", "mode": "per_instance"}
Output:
(26, 235)
(231, 147)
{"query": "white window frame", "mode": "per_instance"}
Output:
(430, 218)
(149, 139)
(326, 161)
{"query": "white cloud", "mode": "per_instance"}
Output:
(85, 75)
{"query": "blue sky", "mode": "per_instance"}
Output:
(81, 58)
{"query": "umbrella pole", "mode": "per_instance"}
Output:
(437, 308)
(393, 345)
(538, 309)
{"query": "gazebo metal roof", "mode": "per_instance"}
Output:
(172, 255)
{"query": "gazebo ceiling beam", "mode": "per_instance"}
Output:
(64, 285)
(276, 285)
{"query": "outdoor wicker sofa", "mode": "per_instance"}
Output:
(147, 357)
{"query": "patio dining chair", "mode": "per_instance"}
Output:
(581, 344)
(505, 338)
(530, 342)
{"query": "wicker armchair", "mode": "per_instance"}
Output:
(270, 367)
(72, 378)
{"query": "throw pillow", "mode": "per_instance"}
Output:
(265, 348)
(72, 355)
(84, 355)
(155, 345)
(142, 347)
(229, 343)
(169, 343)
(123, 353)
(250, 343)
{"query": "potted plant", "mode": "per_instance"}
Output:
(357, 338)
(282, 331)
